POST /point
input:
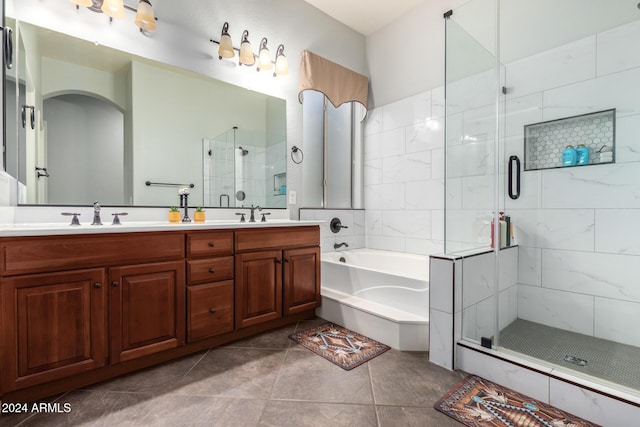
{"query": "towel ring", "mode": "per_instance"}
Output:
(295, 149)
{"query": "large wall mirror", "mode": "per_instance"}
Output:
(86, 122)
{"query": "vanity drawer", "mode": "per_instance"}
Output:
(210, 310)
(55, 253)
(277, 238)
(210, 269)
(210, 243)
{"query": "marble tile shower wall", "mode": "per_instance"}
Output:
(579, 255)
(404, 175)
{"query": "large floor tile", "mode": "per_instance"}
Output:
(307, 376)
(97, 408)
(308, 414)
(184, 411)
(393, 416)
(276, 339)
(408, 379)
(157, 379)
(233, 372)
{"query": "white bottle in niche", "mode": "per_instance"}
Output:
(605, 154)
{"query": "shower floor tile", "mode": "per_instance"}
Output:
(608, 360)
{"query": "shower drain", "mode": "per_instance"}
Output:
(575, 360)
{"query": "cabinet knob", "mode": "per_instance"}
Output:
(212, 270)
(286, 260)
(211, 244)
(212, 310)
(115, 283)
(278, 261)
(97, 285)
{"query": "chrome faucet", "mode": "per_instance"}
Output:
(252, 218)
(96, 214)
(339, 245)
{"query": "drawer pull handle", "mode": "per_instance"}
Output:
(212, 310)
(286, 260)
(212, 270)
(278, 261)
(115, 283)
(211, 244)
(97, 285)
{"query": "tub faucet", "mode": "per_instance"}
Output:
(339, 245)
(96, 214)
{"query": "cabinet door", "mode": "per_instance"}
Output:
(301, 279)
(147, 309)
(53, 326)
(210, 308)
(258, 287)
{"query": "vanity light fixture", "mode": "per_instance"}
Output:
(145, 18)
(246, 55)
(282, 65)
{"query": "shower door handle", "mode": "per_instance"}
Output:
(512, 160)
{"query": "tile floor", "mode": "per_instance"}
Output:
(266, 380)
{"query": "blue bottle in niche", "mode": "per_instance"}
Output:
(569, 156)
(582, 155)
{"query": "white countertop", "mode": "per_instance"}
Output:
(47, 229)
(46, 220)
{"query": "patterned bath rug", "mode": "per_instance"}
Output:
(339, 345)
(476, 402)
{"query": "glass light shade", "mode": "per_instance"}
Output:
(113, 8)
(84, 3)
(264, 60)
(282, 65)
(145, 18)
(226, 47)
(246, 54)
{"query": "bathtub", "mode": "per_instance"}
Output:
(381, 294)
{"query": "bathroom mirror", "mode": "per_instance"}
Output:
(128, 131)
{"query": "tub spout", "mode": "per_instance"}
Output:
(339, 245)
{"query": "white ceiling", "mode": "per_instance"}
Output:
(365, 16)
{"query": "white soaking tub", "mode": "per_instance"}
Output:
(381, 294)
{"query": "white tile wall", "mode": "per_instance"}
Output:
(617, 49)
(613, 319)
(557, 67)
(404, 175)
(614, 231)
(564, 310)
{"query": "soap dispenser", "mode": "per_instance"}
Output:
(570, 156)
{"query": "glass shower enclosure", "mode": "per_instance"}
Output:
(543, 181)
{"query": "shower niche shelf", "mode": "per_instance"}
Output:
(544, 142)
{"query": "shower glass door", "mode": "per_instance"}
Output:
(471, 161)
(565, 294)
(579, 256)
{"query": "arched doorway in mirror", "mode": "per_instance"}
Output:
(84, 149)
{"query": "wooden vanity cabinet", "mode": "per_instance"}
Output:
(147, 309)
(210, 285)
(79, 309)
(277, 273)
(53, 326)
(57, 293)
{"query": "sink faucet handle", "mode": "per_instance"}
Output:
(74, 220)
(263, 216)
(116, 217)
(241, 216)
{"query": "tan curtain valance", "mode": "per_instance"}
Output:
(337, 83)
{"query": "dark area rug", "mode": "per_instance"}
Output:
(477, 402)
(339, 345)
